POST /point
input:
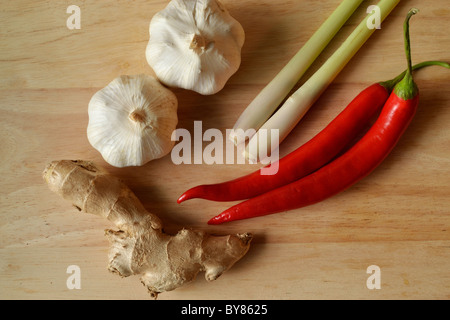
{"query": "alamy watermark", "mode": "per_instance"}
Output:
(374, 280)
(374, 21)
(74, 280)
(74, 20)
(221, 150)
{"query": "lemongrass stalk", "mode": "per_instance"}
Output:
(296, 106)
(265, 103)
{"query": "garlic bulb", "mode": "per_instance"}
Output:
(195, 45)
(131, 120)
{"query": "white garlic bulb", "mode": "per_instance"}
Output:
(195, 45)
(131, 120)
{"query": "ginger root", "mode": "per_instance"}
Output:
(140, 246)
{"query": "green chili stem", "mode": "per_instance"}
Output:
(411, 12)
(406, 89)
(390, 84)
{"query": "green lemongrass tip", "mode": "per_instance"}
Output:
(406, 89)
(390, 84)
(265, 103)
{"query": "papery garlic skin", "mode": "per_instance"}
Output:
(131, 120)
(195, 45)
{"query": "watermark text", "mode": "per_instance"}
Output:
(222, 150)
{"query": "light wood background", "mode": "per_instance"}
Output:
(398, 218)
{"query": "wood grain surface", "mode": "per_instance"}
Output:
(398, 218)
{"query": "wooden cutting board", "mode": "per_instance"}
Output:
(397, 219)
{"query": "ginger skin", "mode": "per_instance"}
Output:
(140, 246)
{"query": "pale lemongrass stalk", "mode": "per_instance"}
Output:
(265, 103)
(296, 106)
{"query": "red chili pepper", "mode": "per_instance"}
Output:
(304, 160)
(350, 167)
(312, 155)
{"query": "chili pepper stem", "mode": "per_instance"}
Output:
(390, 84)
(406, 88)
